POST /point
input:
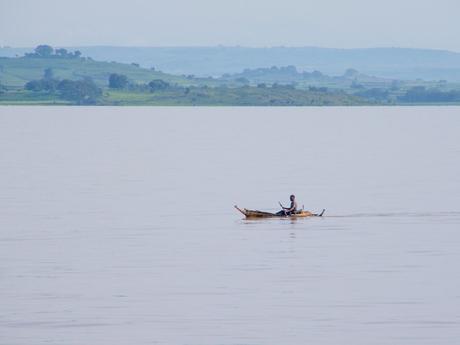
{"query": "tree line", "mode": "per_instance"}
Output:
(46, 51)
(420, 94)
(83, 91)
(120, 82)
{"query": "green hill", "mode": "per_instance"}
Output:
(15, 72)
(67, 78)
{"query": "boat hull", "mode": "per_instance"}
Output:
(261, 214)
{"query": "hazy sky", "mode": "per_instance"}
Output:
(324, 23)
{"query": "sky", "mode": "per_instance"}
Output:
(431, 24)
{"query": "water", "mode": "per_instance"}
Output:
(117, 226)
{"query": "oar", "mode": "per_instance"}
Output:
(285, 213)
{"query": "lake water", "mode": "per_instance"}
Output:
(117, 226)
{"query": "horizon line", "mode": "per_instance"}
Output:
(229, 46)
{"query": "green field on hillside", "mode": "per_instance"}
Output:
(15, 72)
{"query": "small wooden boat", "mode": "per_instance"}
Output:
(261, 214)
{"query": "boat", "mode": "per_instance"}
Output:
(261, 214)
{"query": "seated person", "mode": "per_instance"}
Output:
(287, 211)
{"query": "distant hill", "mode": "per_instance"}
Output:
(290, 75)
(392, 63)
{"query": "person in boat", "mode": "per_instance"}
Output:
(287, 211)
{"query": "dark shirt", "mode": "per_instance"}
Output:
(293, 205)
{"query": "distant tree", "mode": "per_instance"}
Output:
(356, 85)
(48, 73)
(47, 51)
(351, 73)
(135, 64)
(80, 91)
(48, 85)
(61, 52)
(118, 81)
(44, 50)
(262, 86)
(317, 75)
(33, 85)
(276, 86)
(242, 80)
(158, 85)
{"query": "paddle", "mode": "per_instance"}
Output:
(284, 208)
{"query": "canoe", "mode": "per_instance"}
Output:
(261, 214)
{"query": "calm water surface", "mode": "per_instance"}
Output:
(117, 226)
